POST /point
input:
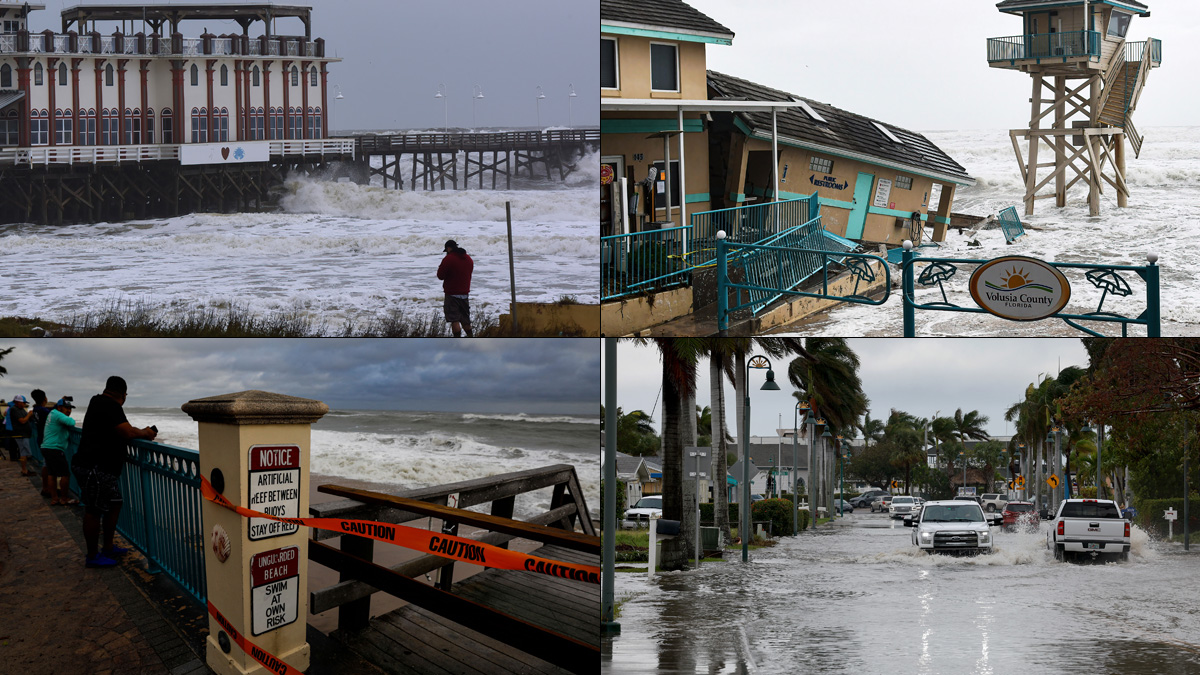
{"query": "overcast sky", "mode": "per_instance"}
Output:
(922, 64)
(492, 375)
(397, 53)
(920, 376)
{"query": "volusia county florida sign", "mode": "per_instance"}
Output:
(1019, 288)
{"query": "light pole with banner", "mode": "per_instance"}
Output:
(696, 462)
(755, 363)
(796, 422)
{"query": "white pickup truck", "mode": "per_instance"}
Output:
(1089, 527)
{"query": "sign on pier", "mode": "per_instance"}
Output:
(274, 489)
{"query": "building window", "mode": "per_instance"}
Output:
(37, 74)
(256, 124)
(276, 123)
(6, 76)
(821, 165)
(108, 75)
(904, 182)
(317, 126)
(150, 125)
(10, 129)
(200, 125)
(195, 76)
(62, 74)
(609, 77)
(87, 126)
(168, 126)
(39, 127)
(224, 75)
(312, 78)
(63, 127)
(1118, 24)
(295, 76)
(108, 127)
(133, 126)
(222, 124)
(673, 186)
(664, 67)
(294, 123)
(254, 76)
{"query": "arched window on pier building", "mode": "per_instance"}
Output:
(257, 124)
(312, 82)
(37, 74)
(195, 76)
(62, 74)
(168, 126)
(199, 125)
(314, 123)
(295, 76)
(87, 126)
(295, 123)
(64, 127)
(133, 126)
(39, 127)
(109, 127)
(221, 125)
(108, 75)
(254, 76)
(6, 76)
(224, 75)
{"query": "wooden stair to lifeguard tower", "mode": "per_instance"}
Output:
(1123, 84)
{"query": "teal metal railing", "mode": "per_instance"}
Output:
(1135, 50)
(791, 257)
(642, 261)
(161, 514)
(1044, 46)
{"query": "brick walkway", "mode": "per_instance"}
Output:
(60, 617)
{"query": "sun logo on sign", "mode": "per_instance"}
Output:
(1015, 278)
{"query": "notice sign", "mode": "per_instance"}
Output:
(274, 589)
(274, 489)
(883, 192)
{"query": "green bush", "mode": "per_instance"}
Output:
(620, 497)
(1150, 514)
(1087, 492)
(803, 515)
(778, 511)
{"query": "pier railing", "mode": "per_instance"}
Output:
(161, 514)
(48, 42)
(1044, 46)
(642, 261)
(369, 144)
(123, 154)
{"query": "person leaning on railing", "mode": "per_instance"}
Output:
(97, 466)
(54, 451)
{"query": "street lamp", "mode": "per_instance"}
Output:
(817, 471)
(755, 363)
(825, 453)
(1022, 458)
(336, 98)
(538, 100)
(571, 99)
(476, 94)
(801, 406)
(842, 467)
(441, 93)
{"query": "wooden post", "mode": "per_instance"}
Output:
(1092, 141)
(1122, 197)
(1034, 140)
(254, 449)
(1060, 141)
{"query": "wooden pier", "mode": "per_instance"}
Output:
(502, 155)
(494, 621)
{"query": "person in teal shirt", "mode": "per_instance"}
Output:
(54, 450)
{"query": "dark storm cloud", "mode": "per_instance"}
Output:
(515, 375)
(395, 54)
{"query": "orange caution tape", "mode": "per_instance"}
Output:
(267, 659)
(445, 545)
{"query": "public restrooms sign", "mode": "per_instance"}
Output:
(1020, 289)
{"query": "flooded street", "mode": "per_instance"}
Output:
(858, 597)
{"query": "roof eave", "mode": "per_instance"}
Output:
(726, 37)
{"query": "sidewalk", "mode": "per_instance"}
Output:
(60, 617)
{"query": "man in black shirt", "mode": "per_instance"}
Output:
(97, 467)
(41, 411)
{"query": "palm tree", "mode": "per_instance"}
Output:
(826, 374)
(872, 430)
(991, 455)
(4, 353)
(943, 431)
(679, 357)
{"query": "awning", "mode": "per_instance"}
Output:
(10, 96)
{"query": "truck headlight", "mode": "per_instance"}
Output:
(926, 536)
(985, 536)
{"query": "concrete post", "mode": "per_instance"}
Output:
(254, 449)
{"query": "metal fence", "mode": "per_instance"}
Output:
(642, 261)
(749, 224)
(794, 256)
(1135, 50)
(161, 515)
(1010, 224)
(1044, 46)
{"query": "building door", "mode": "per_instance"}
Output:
(611, 170)
(862, 199)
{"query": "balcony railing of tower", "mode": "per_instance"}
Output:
(49, 42)
(1044, 46)
(1135, 50)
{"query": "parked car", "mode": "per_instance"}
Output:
(842, 507)
(640, 513)
(1088, 526)
(902, 505)
(864, 500)
(993, 502)
(952, 525)
(756, 498)
(1019, 515)
(881, 504)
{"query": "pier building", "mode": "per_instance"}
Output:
(144, 121)
(1087, 80)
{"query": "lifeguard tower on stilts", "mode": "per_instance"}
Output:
(1086, 84)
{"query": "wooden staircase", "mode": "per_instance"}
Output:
(1123, 84)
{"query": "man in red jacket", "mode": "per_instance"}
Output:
(455, 273)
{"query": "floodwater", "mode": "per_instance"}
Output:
(858, 597)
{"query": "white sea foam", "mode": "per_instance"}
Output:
(544, 419)
(1163, 206)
